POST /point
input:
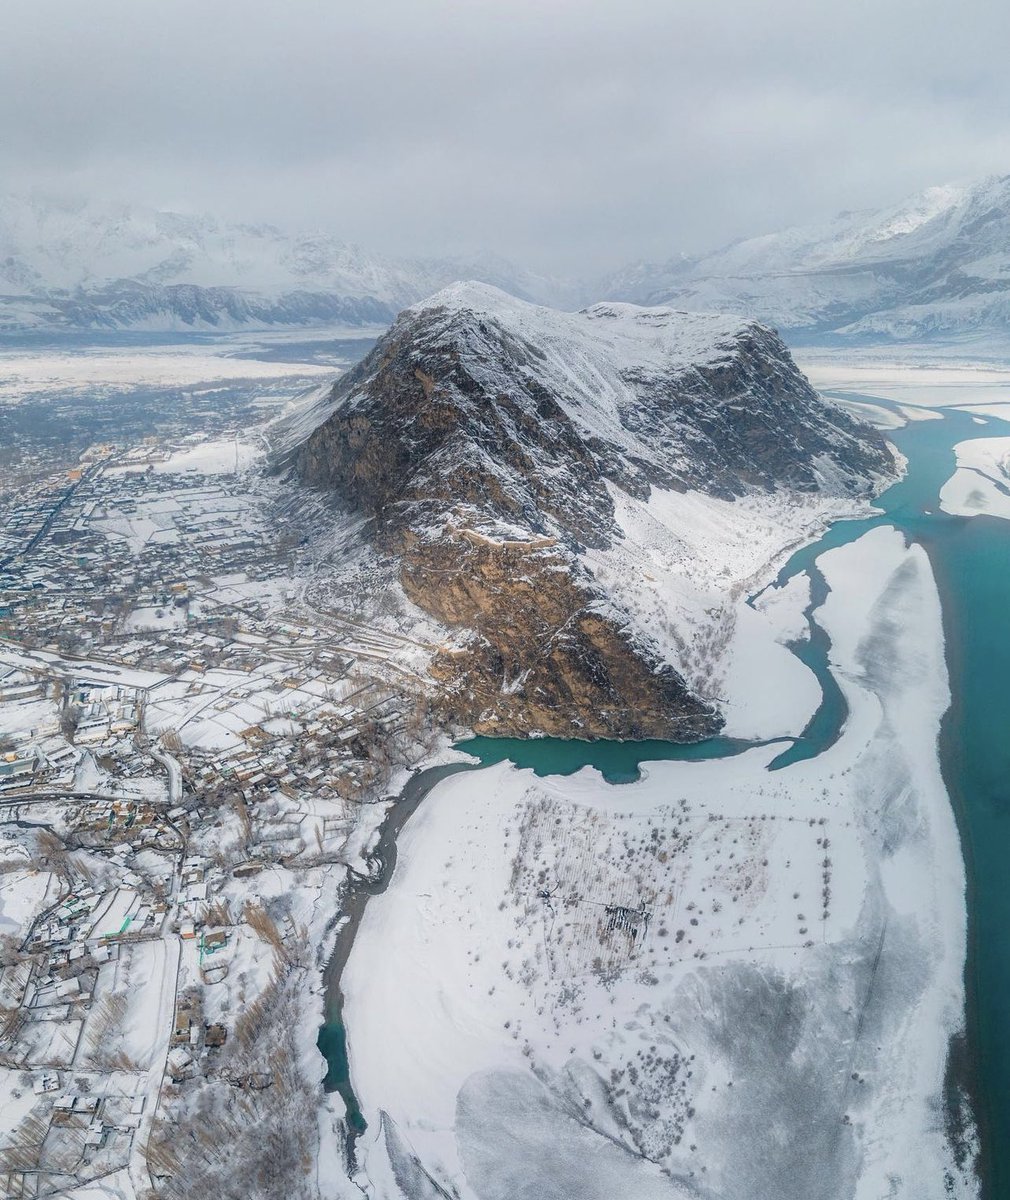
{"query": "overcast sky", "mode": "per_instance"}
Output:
(572, 135)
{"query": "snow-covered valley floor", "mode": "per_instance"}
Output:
(718, 981)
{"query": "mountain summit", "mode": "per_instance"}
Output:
(513, 459)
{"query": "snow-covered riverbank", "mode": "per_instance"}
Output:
(717, 979)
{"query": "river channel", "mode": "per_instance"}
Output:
(971, 561)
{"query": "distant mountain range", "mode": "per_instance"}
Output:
(72, 265)
(936, 266)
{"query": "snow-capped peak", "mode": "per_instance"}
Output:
(918, 211)
(607, 337)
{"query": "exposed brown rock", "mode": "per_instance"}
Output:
(542, 659)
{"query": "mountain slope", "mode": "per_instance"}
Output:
(512, 458)
(74, 264)
(935, 265)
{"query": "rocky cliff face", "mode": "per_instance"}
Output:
(487, 440)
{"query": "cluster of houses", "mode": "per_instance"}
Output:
(38, 754)
(191, 905)
(103, 713)
(33, 754)
(83, 927)
(98, 1117)
(129, 826)
(148, 575)
(42, 510)
(78, 550)
(189, 1031)
(149, 571)
(326, 760)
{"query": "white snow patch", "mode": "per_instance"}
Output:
(226, 457)
(684, 570)
(981, 483)
(27, 373)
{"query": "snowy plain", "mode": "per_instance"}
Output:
(63, 372)
(921, 382)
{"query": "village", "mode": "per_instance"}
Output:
(186, 742)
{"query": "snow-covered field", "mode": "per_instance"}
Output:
(52, 372)
(716, 981)
(223, 457)
(922, 384)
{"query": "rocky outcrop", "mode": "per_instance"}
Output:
(484, 437)
(542, 660)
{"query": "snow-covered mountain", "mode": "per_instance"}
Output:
(936, 265)
(609, 478)
(79, 265)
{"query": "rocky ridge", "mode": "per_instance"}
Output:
(486, 440)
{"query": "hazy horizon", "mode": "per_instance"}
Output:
(572, 139)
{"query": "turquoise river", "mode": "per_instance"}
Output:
(971, 561)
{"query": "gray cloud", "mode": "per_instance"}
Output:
(573, 135)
